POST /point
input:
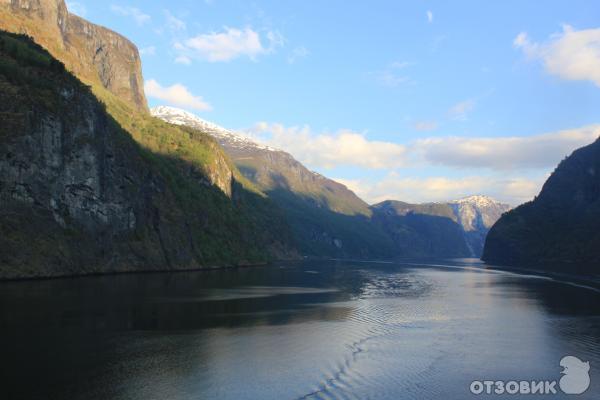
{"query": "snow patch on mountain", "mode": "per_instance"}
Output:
(224, 136)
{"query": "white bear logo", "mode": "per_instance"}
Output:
(576, 379)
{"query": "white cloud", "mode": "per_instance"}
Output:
(296, 54)
(343, 148)
(231, 44)
(77, 8)
(501, 153)
(176, 94)
(571, 54)
(148, 51)
(460, 110)
(138, 16)
(508, 168)
(513, 190)
(347, 148)
(429, 16)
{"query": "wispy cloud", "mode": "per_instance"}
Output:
(425, 126)
(183, 60)
(177, 95)
(571, 54)
(461, 110)
(77, 8)
(393, 75)
(173, 23)
(230, 44)
(296, 54)
(138, 15)
(429, 16)
(148, 51)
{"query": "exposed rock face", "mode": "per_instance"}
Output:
(559, 229)
(95, 54)
(78, 195)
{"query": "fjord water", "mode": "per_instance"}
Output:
(293, 331)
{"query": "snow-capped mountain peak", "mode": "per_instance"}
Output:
(478, 212)
(477, 200)
(224, 136)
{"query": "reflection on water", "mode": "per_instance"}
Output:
(292, 330)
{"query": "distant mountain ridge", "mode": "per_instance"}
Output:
(476, 215)
(90, 182)
(455, 228)
(459, 227)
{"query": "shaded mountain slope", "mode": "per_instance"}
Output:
(424, 230)
(454, 229)
(80, 195)
(326, 217)
(559, 229)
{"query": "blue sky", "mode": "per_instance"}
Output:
(413, 100)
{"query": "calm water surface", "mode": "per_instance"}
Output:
(307, 330)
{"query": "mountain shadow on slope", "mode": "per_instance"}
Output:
(79, 195)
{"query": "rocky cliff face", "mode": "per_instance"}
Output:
(96, 55)
(78, 195)
(559, 229)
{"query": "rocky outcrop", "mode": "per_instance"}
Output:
(96, 55)
(559, 228)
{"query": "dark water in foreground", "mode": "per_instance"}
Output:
(291, 331)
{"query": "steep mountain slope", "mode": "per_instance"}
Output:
(79, 195)
(454, 229)
(96, 55)
(327, 218)
(272, 168)
(559, 229)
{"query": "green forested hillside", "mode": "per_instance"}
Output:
(559, 229)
